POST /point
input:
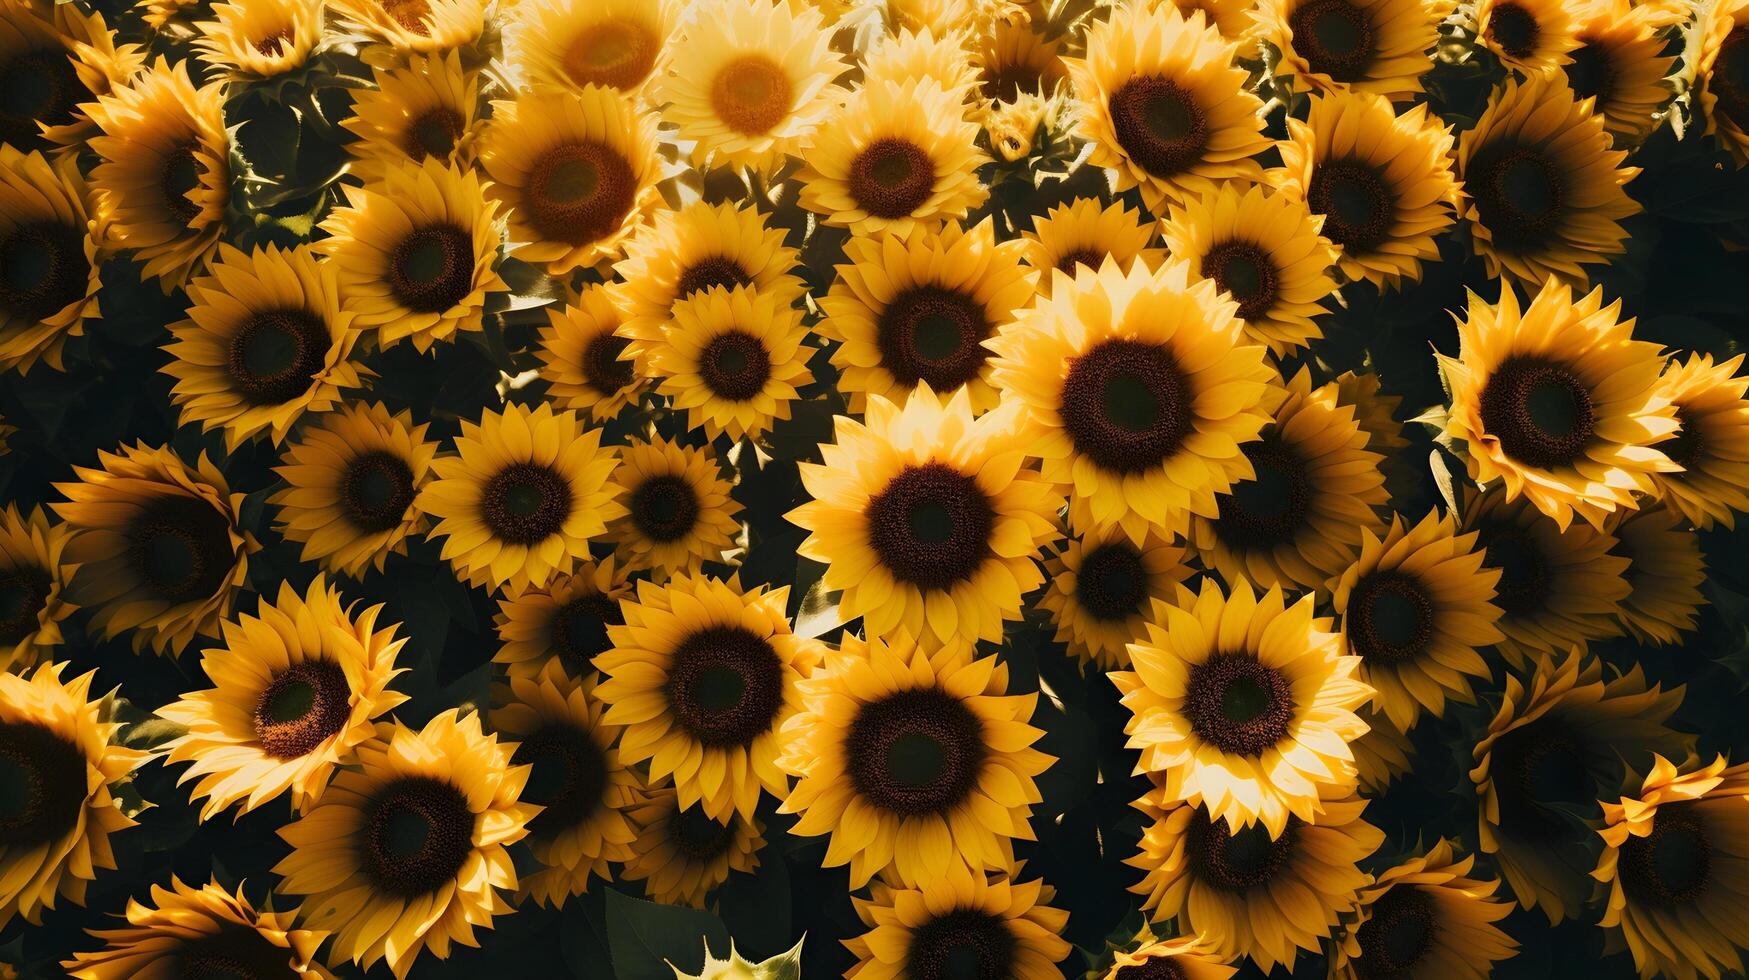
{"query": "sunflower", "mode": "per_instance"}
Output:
(1144, 387)
(407, 852)
(1425, 916)
(679, 512)
(1012, 59)
(1620, 63)
(522, 497)
(1528, 36)
(566, 620)
(576, 775)
(580, 353)
(916, 308)
(1416, 608)
(296, 689)
(1164, 105)
(1723, 38)
(413, 27)
(1380, 46)
(1665, 572)
(164, 170)
(702, 675)
(33, 584)
(1558, 588)
(915, 763)
(1235, 19)
(682, 856)
(1185, 958)
(55, 57)
(425, 109)
(1382, 755)
(47, 215)
(1247, 893)
(1711, 442)
(894, 155)
(731, 358)
(621, 44)
(266, 340)
(1559, 740)
(911, 56)
(1382, 181)
(926, 519)
(351, 480)
(1558, 402)
(1244, 704)
(1105, 590)
(1265, 251)
(1675, 861)
(56, 744)
(1085, 232)
(963, 923)
(1315, 490)
(1376, 413)
(755, 85)
(576, 172)
(196, 932)
(161, 551)
(251, 40)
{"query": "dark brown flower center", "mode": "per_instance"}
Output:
(1730, 79)
(233, 953)
(1524, 584)
(1520, 194)
(1687, 448)
(1270, 508)
(578, 193)
(1152, 968)
(615, 53)
(915, 752)
(579, 630)
(180, 548)
(24, 593)
(376, 491)
(1238, 704)
(1358, 204)
(417, 834)
(725, 686)
(1247, 273)
(434, 133)
(37, 87)
(43, 270)
(752, 94)
(930, 526)
(1540, 412)
(526, 503)
(965, 944)
(276, 354)
(432, 269)
(1238, 862)
(1543, 779)
(699, 837)
(603, 369)
(1514, 29)
(181, 175)
(42, 785)
(276, 44)
(709, 273)
(1112, 583)
(1159, 125)
(1673, 864)
(1335, 37)
(1591, 73)
(302, 707)
(664, 508)
(568, 777)
(891, 178)
(1089, 257)
(414, 16)
(1126, 405)
(735, 366)
(1390, 618)
(1403, 926)
(934, 335)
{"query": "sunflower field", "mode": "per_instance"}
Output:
(930, 489)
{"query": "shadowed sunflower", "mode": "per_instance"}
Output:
(1376, 413)
(1558, 588)
(1675, 864)
(1144, 388)
(732, 359)
(164, 175)
(1711, 442)
(702, 675)
(1423, 917)
(59, 764)
(33, 583)
(296, 689)
(1528, 36)
(407, 852)
(567, 620)
(161, 550)
(755, 82)
(1184, 958)
(251, 40)
(1559, 741)
(1558, 402)
(53, 57)
(51, 250)
(915, 763)
(1382, 755)
(682, 856)
(1665, 572)
(1264, 250)
(1164, 105)
(1315, 489)
(425, 109)
(522, 497)
(1084, 232)
(201, 932)
(912, 56)
(1249, 894)
(413, 27)
(1722, 74)
(351, 481)
(1379, 46)
(1620, 63)
(1382, 181)
(964, 923)
(916, 309)
(1105, 589)
(576, 775)
(894, 155)
(266, 340)
(1543, 192)
(580, 350)
(617, 43)
(1012, 59)
(1415, 607)
(575, 171)
(679, 512)
(1244, 704)
(926, 518)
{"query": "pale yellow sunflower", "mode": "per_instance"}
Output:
(914, 55)
(1424, 917)
(1665, 573)
(581, 350)
(33, 586)
(1084, 232)
(1380, 46)
(1528, 36)
(964, 921)
(54, 240)
(731, 359)
(1106, 589)
(1620, 63)
(1235, 19)
(413, 27)
(1711, 442)
(682, 856)
(679, 512)
(1722, 35)
(1013, 60)
(251, 40)
(566, 620)
(188, 931)
(425, 109)
(621, 44)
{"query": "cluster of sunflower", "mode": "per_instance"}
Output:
(1007, 488)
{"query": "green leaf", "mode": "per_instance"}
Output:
(644, 938)
(151, 733)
